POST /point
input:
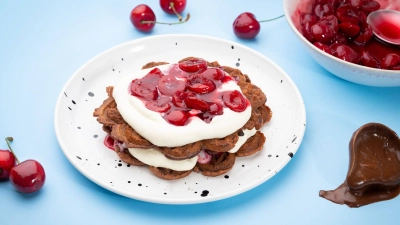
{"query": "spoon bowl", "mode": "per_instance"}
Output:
(385, 25)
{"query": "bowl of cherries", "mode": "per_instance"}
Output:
(339, 36)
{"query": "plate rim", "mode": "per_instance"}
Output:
(152, 199)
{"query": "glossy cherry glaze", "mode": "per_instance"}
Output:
(7, 162)
(340, 28)
(187, 89)
(28, 176)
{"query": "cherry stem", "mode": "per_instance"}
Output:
(8, 140)
(171, 4)
(271, 19)
(186, 19)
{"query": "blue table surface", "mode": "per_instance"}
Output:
(44, 42)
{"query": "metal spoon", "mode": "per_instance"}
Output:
(386, 25)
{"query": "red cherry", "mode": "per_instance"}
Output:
(143, 89)
(140, 14)
(246, 26)
(331, 21)
(306, 31)
(153, 76)
(369, 60)
(200, 84)
(213, 73)
(345, 52)
(215, 108)
(160, 105)
(168, 85)
(173, 6)
(347, 13)
(193, 102)
(349, 29)
(109, 142)
(364, 36)
(308, 18)
(391, 60)
(322, 33)
(370, 6)
(28, 176)
(193, 65)
(322, 10)
(7, 161)
(178, 99)
(177, 117)
(234, 100)
(323, 47)
(204, 157)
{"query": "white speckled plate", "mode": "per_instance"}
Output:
(81, 137)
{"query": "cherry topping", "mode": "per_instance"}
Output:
(27, 176)
(178, 99)
(193, 102)
(391, 60)
(215, 108)
(213, 73)
(234, 100)
(109, 142)
(153, 76)
(365, 35)
(246, 26)
(168, 85)
(7, 161)
(349, 29)
(347, 13)
(370, 6)
(321, 10)
(200, 84)
(143, 89)
(193, 65)
(322, 33)
(346, 53)
(160, 105)
(331, 21)
(204, 157)
(306, 30)
(308, 18)
(142, 13)
(177, 117)
(323, 47)
(369, 60)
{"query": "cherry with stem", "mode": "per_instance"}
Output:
(246, 25)
(27, 176)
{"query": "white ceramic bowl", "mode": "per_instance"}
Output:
(348, 71)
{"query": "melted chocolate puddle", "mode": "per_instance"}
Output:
(374, 168)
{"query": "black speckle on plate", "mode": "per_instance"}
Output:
(73, 102)
(79, 127)
(204, 193)
(294, 139)
(237, 64)
(226, 176)
(79, 157)
(65, 94)
(95, 136)
(290, 154)
(232, 47)
(69, 108)
(139, 185)
(90, 94)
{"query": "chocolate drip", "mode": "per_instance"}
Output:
(374, 168)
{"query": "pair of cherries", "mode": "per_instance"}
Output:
(27, 176)
(143, 18)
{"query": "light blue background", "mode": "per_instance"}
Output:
(43, 42)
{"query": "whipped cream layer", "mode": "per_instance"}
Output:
(154, 157)
(154, 128)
